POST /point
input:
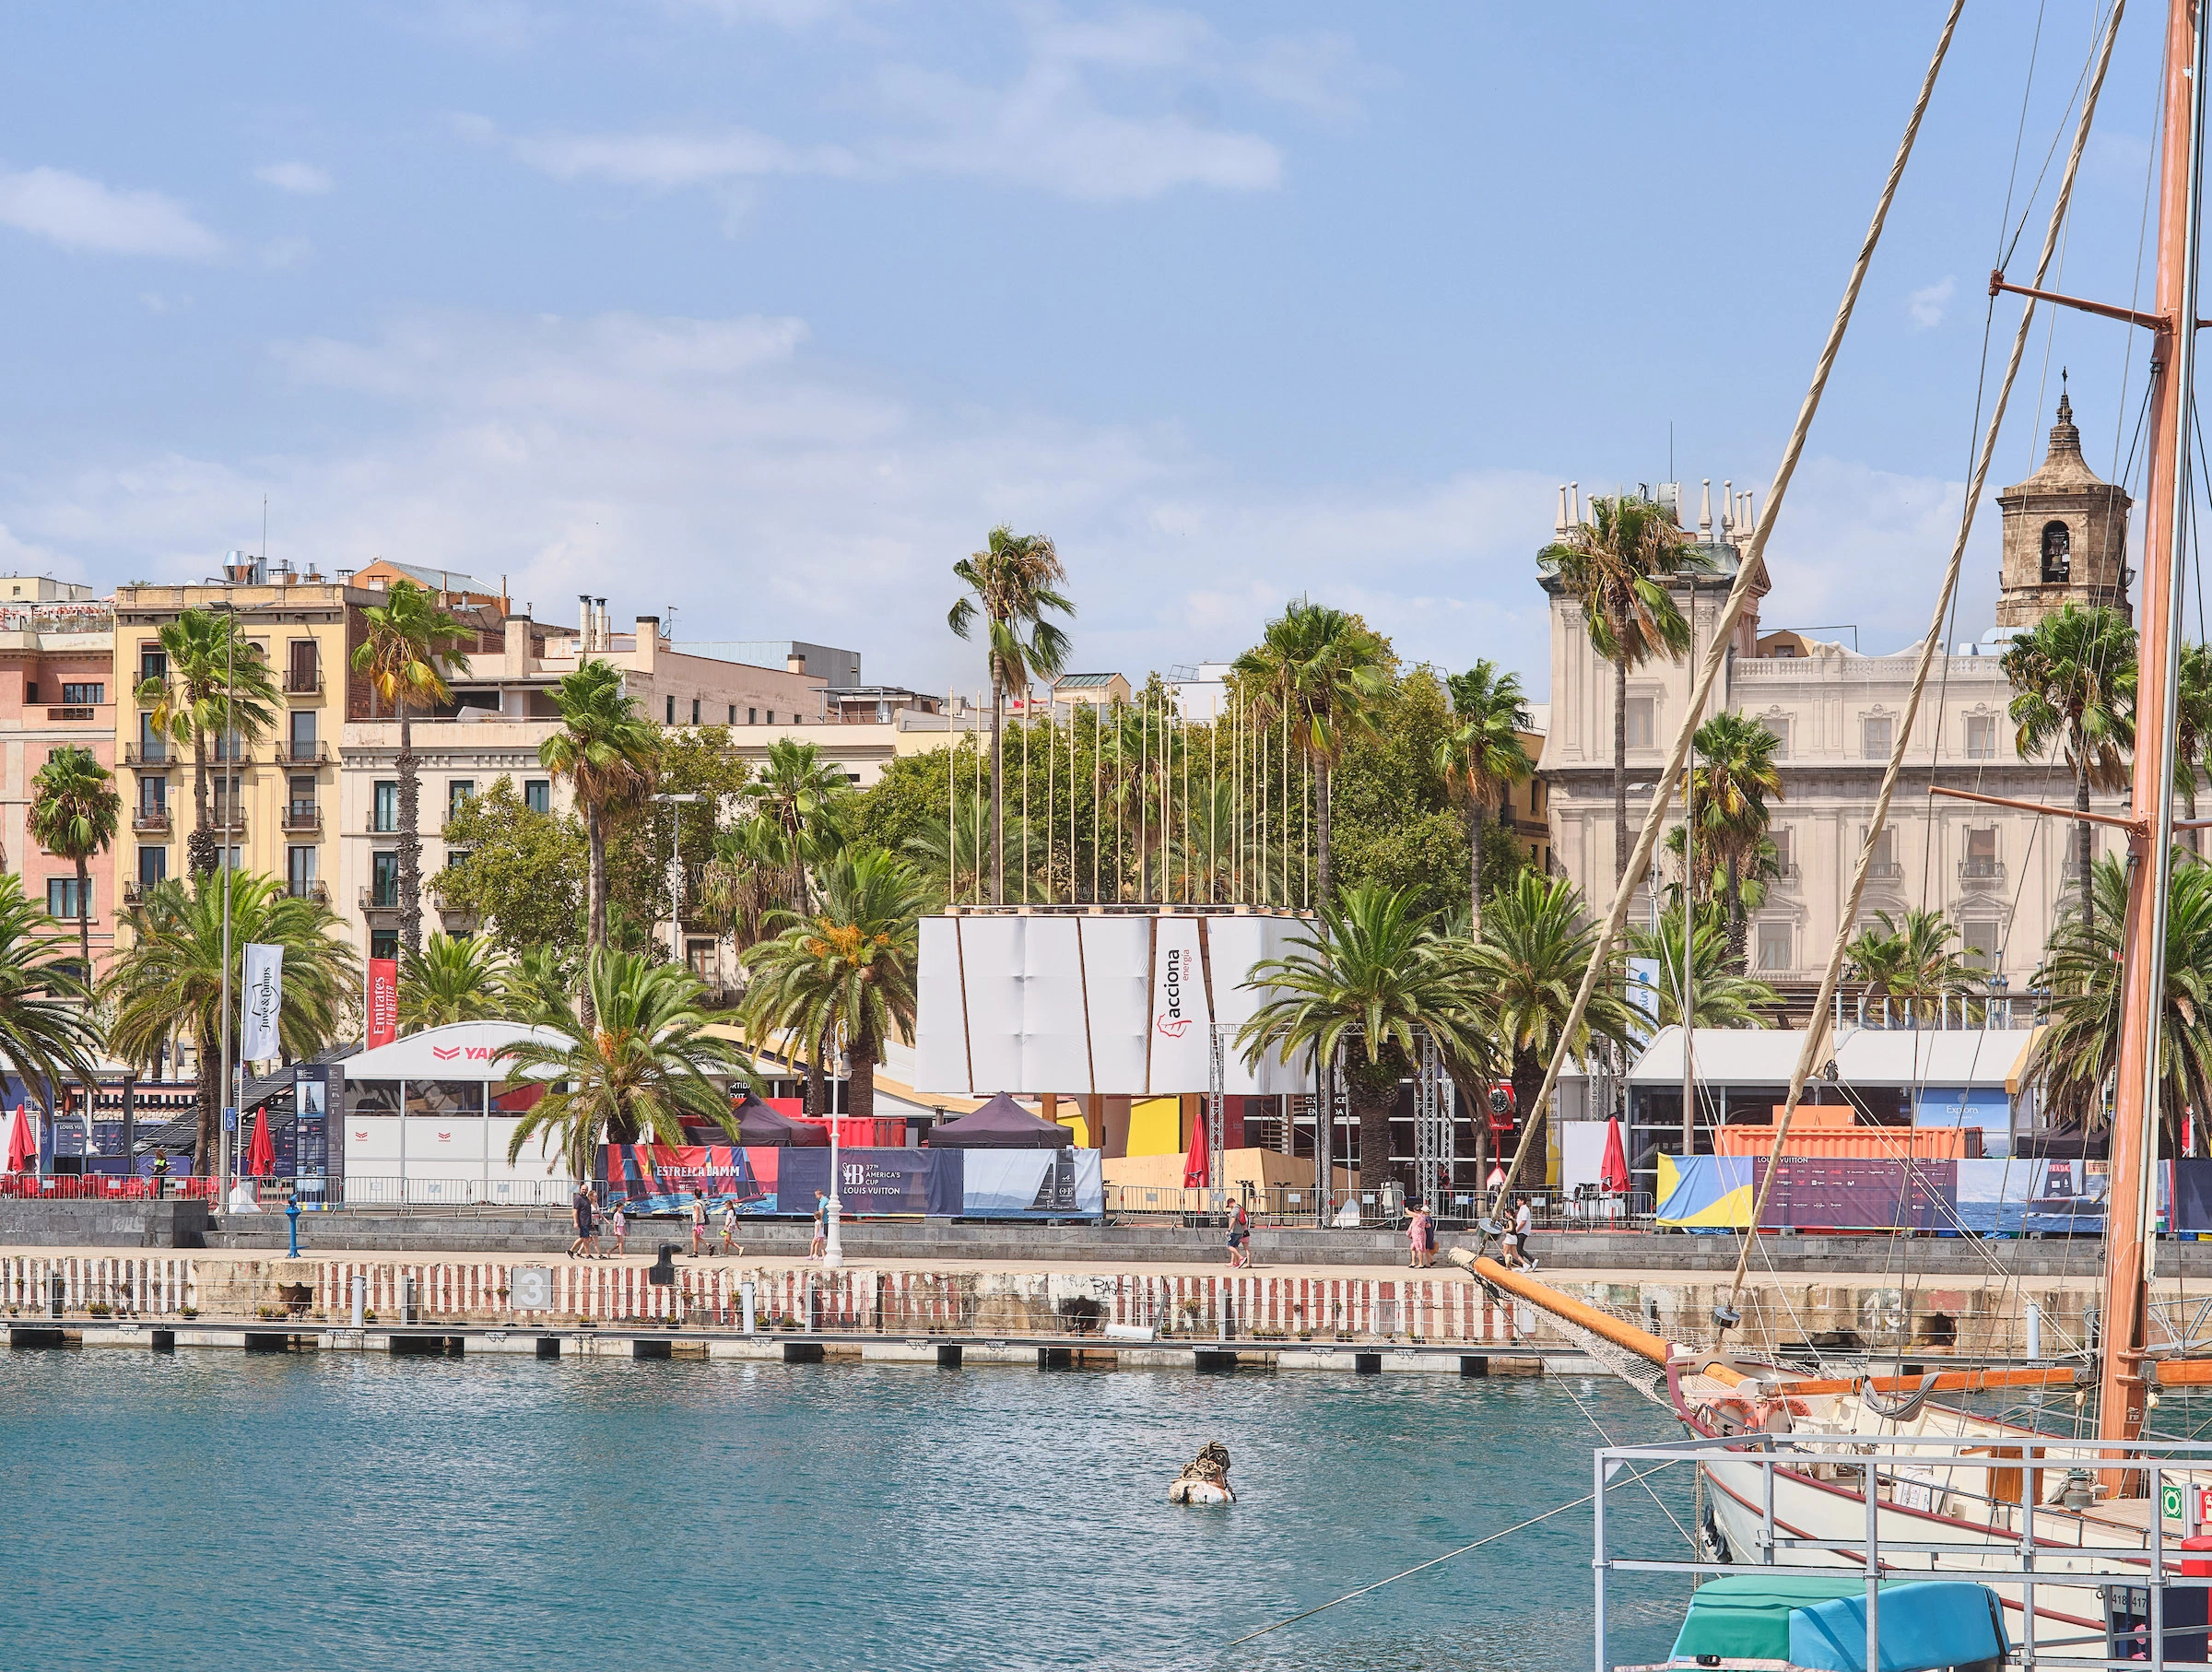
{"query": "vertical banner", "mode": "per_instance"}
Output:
(310, 1128)
(384, 1001)
(1181, 1056)
(263, 998)
(1644, 994)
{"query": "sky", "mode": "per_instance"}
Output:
(761, 313)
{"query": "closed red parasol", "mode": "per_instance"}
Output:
(22, 1149)
(1614, 1173)
(260, 1155)
(1199, 1165)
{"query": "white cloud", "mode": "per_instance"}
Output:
(1927, 305)
(666, 160)
(304, 178)
(81, 214)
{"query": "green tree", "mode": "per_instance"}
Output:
(2073, 680)
(697, 761)
(608, 752)
(47, 1031)
(907, 801)
(1911, 959)
(452, 980)
(1735, 776)
(1616, 568)
(1329, 671)
(1013, 583)
(1358, 991)
(522, 879)
(217, 681)
(805, 798)
(2076, 1057)
(1484, 756)
(2192, 726)
(74, 814)
(1723, 998)
(637, 1070)
(171, 980)
(848, 971)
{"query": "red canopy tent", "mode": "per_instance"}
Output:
(22, 1149)
(260, 1155)
(1613, 1172)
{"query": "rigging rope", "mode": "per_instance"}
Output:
(1752, 565)
(1816, 1033)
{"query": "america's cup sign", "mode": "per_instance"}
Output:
(1178, 1058)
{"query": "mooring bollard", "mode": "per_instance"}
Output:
(747, 1293)
(292, 1212)
(360, 1300)
(407, 1299)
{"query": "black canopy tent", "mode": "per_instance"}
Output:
(758, 1124)
(1001, 1123)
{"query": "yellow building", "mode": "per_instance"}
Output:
(1528, 809)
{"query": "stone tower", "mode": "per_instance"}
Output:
(2065, 534)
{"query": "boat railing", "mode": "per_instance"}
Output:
(2013, 1536)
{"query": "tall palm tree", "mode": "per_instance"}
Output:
(846, 971)
(216, 682)
(1536, 942)
(954, 857)
(1012, 584)
(806, 800)
(609, 751)
(2074, 678)
(47, 1031)
(451, 980)
(2075, 1059)
(1329, 672)
(1359, 988)
(75, 812)
(171, 981)
(2192, 726)
(639, 1069)
(1911, 959)
(1735, 777)
(409, 644)
(1722, 997)
(1484, 756)
(535, 986)
(1617, 567)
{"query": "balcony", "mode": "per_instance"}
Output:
(380, 824)
(296, 753)
(149, 757)
(227, 821)
(302, 816)
(1980, 874)
(75, 711)
(133, 893)
(150, 821)
(303, 682)
(1887, 869)
(380, 900)
(317, 891)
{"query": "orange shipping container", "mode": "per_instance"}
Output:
(1856, 1143)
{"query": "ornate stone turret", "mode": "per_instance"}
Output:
(2065, 534)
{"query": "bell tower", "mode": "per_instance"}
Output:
(2065, 534)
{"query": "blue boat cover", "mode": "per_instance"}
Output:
(1931, 1624)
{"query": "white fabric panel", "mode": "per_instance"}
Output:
(1090, 1181)
(1052, 1053)
(1581, 1151)
(1003, 1181)
(1238, 943)
(1182, 1023)
(991, 951)
(941, 1016)
(1116, 951)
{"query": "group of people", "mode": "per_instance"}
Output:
(1421, 1233)
(591, 1224)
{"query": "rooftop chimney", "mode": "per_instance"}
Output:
(796, 662)
(584, 622)
(649, 642)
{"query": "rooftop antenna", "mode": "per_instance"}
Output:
(1670, 444)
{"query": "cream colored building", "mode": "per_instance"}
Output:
(1999, 874)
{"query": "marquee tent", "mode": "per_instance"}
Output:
(1001, 1123)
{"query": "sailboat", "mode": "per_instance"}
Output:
(1960, 1491)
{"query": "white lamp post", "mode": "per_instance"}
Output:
(833, 1248)
(675, 877)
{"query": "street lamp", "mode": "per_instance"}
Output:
(676, 877)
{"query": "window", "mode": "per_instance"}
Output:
(695, 711)
(64, 899)
(455, 856)
(385, 943)
(230, 746)
(229, 806)
(78, 695)
(538, 794)
(305, 675)
(1780, 836)
(1982, 852)
(2058, 553)
(152, 746)
(1982, 942)
(153, 662)
(153, 798)
(153, 866)
(1639, 719)
(31, 690)
(732, 714)
(699, 956)
(383, 879)
(1980, 736)
(752, 717)
(1778, 724)
(459, 792)
(1774, 945)
(301, 726)
(1884, 862)
(299, 872)
(231, 859)
(383, 809)
(1877, 732)
(771, 717)
(671, 711)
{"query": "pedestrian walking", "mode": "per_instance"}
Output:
(1523, 1222)
(584, 1246)
(699, 1222)
(619, 1225)
(821, 1226)
(729, 1227)
(1421, 1232)
(1239, 1237)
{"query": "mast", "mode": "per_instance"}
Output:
(2120, 1388)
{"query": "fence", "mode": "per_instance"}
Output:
(101, 1187)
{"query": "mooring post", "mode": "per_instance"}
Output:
(360, 1299)
(748, 1297)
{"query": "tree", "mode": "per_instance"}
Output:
(2078, 1055)
(218, 682)
(1012, 584)
(1391, 817)
(1910, 960)
(2192, 726)
(1484, 756)
(172, 979)
(74, 814)
(1328, 671)
(804, 797)
(1730, 788)
(1723, 998)
(1536, 942)
(535, 985)
(697, 761)
(1358, 991)
(849, 971)
(47, 1032)
(451, 980)
(2074, 678)
(608, 752)
(1617, 567)
(522, 879)
(639, 1069)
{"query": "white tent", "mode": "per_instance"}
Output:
(428, 1118)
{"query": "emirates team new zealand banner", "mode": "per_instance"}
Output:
(1004, 1184)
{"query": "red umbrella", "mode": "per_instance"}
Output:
(1614, 1172)
(1199, 1166)
(22, 1149)
(260, 1155)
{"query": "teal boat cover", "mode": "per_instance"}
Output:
(1818, 1621)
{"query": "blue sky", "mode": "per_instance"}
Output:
(766, 310)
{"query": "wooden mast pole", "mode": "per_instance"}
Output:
(2120, 1388)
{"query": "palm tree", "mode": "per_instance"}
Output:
(1536, 942)
(172, 979)
(1731, 788)
(535, 986)
(47, 1031)
(409, 646)
(2074, 676)
(216, 682)
(2193, 725)
(1361, 985)
(1723, 997)
(2075, 1059)
(1484, 757)
(1012, 582)
(1329, 672)
(74, 814)
(609, 751)
(1617, 567)
(848, 971)
(805, 798)
(640, 1068)
(1910, 960)
(953, 856)
(451, 980)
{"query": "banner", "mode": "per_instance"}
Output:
(875, 1181)
(765, 1179)
(384, 1001)
(1181, 1058)
(263, 999)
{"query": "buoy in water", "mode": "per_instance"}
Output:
(1204, 1479)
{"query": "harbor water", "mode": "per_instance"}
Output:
(363, 1512)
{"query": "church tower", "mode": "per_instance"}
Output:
(2065, 534)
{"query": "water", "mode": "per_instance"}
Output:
(428, 1515)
